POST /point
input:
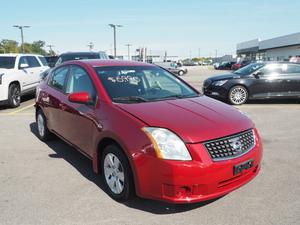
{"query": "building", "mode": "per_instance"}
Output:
(275, 49)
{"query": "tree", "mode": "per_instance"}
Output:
(8, 46)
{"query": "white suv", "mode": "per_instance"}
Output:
(19, 75)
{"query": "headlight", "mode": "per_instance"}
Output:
(167, 144)
(220, 82)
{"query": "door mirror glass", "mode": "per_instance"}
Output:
(80, 97)
(24, 65)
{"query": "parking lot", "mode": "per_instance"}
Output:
(54, 184)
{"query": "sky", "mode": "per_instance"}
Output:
(182, 28)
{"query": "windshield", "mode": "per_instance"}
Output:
(7, 62)
(129, 84)
(249, 68)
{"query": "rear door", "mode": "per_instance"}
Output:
(53, 98)
(36, 67)
(292, 80)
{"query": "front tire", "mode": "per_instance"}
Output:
(14, 95)
(117, 175)
(238, 95)
(43, 132)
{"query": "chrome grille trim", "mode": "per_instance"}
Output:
(232, 146)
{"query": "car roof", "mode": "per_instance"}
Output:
(80, 53)
(107, 62)
(19, 54)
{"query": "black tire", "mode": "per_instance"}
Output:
(238, 95)
(46, 135)
(180, 73)
(128, 185)
(14, 95)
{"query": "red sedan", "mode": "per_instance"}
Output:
(147, 131)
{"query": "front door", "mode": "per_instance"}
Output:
(269, 83)
(79, 120)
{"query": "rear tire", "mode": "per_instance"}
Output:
(14, 95)
(238, 95)
(117, 174)
(43, 132)
(180, 73)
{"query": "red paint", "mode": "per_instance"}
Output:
(194, 120)
(79, 97)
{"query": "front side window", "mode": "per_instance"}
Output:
(58, 77)
(129, 84)
(7, 62)
(293, 68)
(23, 60)
(247, 70)
(80, 81)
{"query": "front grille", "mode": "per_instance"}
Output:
(231, 146)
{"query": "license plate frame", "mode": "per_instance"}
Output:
(239, 168)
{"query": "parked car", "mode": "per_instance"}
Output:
(264, 80)
(225, 65)
(68, 56)
(176, 68)
(19, 75)
(241, 64)
(295, 59)
(216, 65)
(51, 60)
(148, 131)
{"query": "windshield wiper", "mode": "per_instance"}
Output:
(130, 99)
(176, 97)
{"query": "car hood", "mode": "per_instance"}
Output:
(225, 76)
(193, 119)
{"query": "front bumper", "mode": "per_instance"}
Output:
(218, 92)
(193, 181)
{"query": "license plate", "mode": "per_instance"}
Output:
(243, 166)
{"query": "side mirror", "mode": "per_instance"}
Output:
(80, 97)
(23, 66)
(257, 74)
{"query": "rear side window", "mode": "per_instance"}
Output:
(43, 60)
(58, 77)
(7, 62)
(293, 68)
(32, 61)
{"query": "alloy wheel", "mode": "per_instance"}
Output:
(114, 173)
(238, 95)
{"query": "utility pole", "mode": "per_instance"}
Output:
(50, 47)
(128, 50)
(22, 36)
(91, 46)
(114, 26)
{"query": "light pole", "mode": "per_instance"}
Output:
(91, 46)
(22, 36)
(114, 26)
(128, 50)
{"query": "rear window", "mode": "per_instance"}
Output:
(43, 60)
(7, 62)
(79, 57)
